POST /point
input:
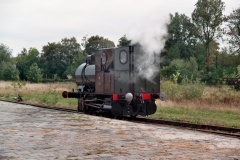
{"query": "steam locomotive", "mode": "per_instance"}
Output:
(114, 80)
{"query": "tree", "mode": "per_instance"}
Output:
(57, 57)
(96, 42)
(34, 73)
(9, 71)
(5, 53)
(185, 69)
(208, 17)
(51, 60)
(233, 30)
(123, 41)
(69, 48)
(182, 38)
(24, 61)
(77, 60)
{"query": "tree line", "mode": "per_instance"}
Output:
(192, 51)
(58, 60)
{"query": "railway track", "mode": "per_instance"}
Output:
(41, 106)
(224, 131)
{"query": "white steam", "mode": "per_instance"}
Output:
(152, 37)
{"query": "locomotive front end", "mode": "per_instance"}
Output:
(123, 81)
(137, 78)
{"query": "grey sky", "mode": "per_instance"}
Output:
(34, 23)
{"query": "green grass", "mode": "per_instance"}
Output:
(203, 116)
(52, 99)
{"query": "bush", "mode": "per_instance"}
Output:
(192, 91)
(171, 89)
(34, 73)
(184, 69)
(9, 72)
(186, 91)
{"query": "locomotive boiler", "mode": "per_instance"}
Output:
(112, 80)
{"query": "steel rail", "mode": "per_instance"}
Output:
(42, 106)
(226, 131)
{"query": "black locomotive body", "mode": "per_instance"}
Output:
(112, 81)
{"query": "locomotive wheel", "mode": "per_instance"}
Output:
(88, 110)
(151, 108)
(133, 116)
(116, 110)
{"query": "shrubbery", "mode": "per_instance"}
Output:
(184, 69)
(34, 73)
(188, 91)
(189, 88)
(8, 71)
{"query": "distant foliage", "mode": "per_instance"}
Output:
(78, 59)
(34, 74)
(57, 57)
(124, 42)
(96, 42)
(9, 72)
(208, 17)
(25, 60)
(192, 90)
(170, 88)
(182, 37)
(5, 53)
(178, 70)
(233, 30)
(186, 91)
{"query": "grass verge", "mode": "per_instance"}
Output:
(199, 112)
(49, 94)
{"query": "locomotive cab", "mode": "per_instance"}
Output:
(115, 80)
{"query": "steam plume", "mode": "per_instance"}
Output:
(151, 37)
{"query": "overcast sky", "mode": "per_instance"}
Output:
(34, 23)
